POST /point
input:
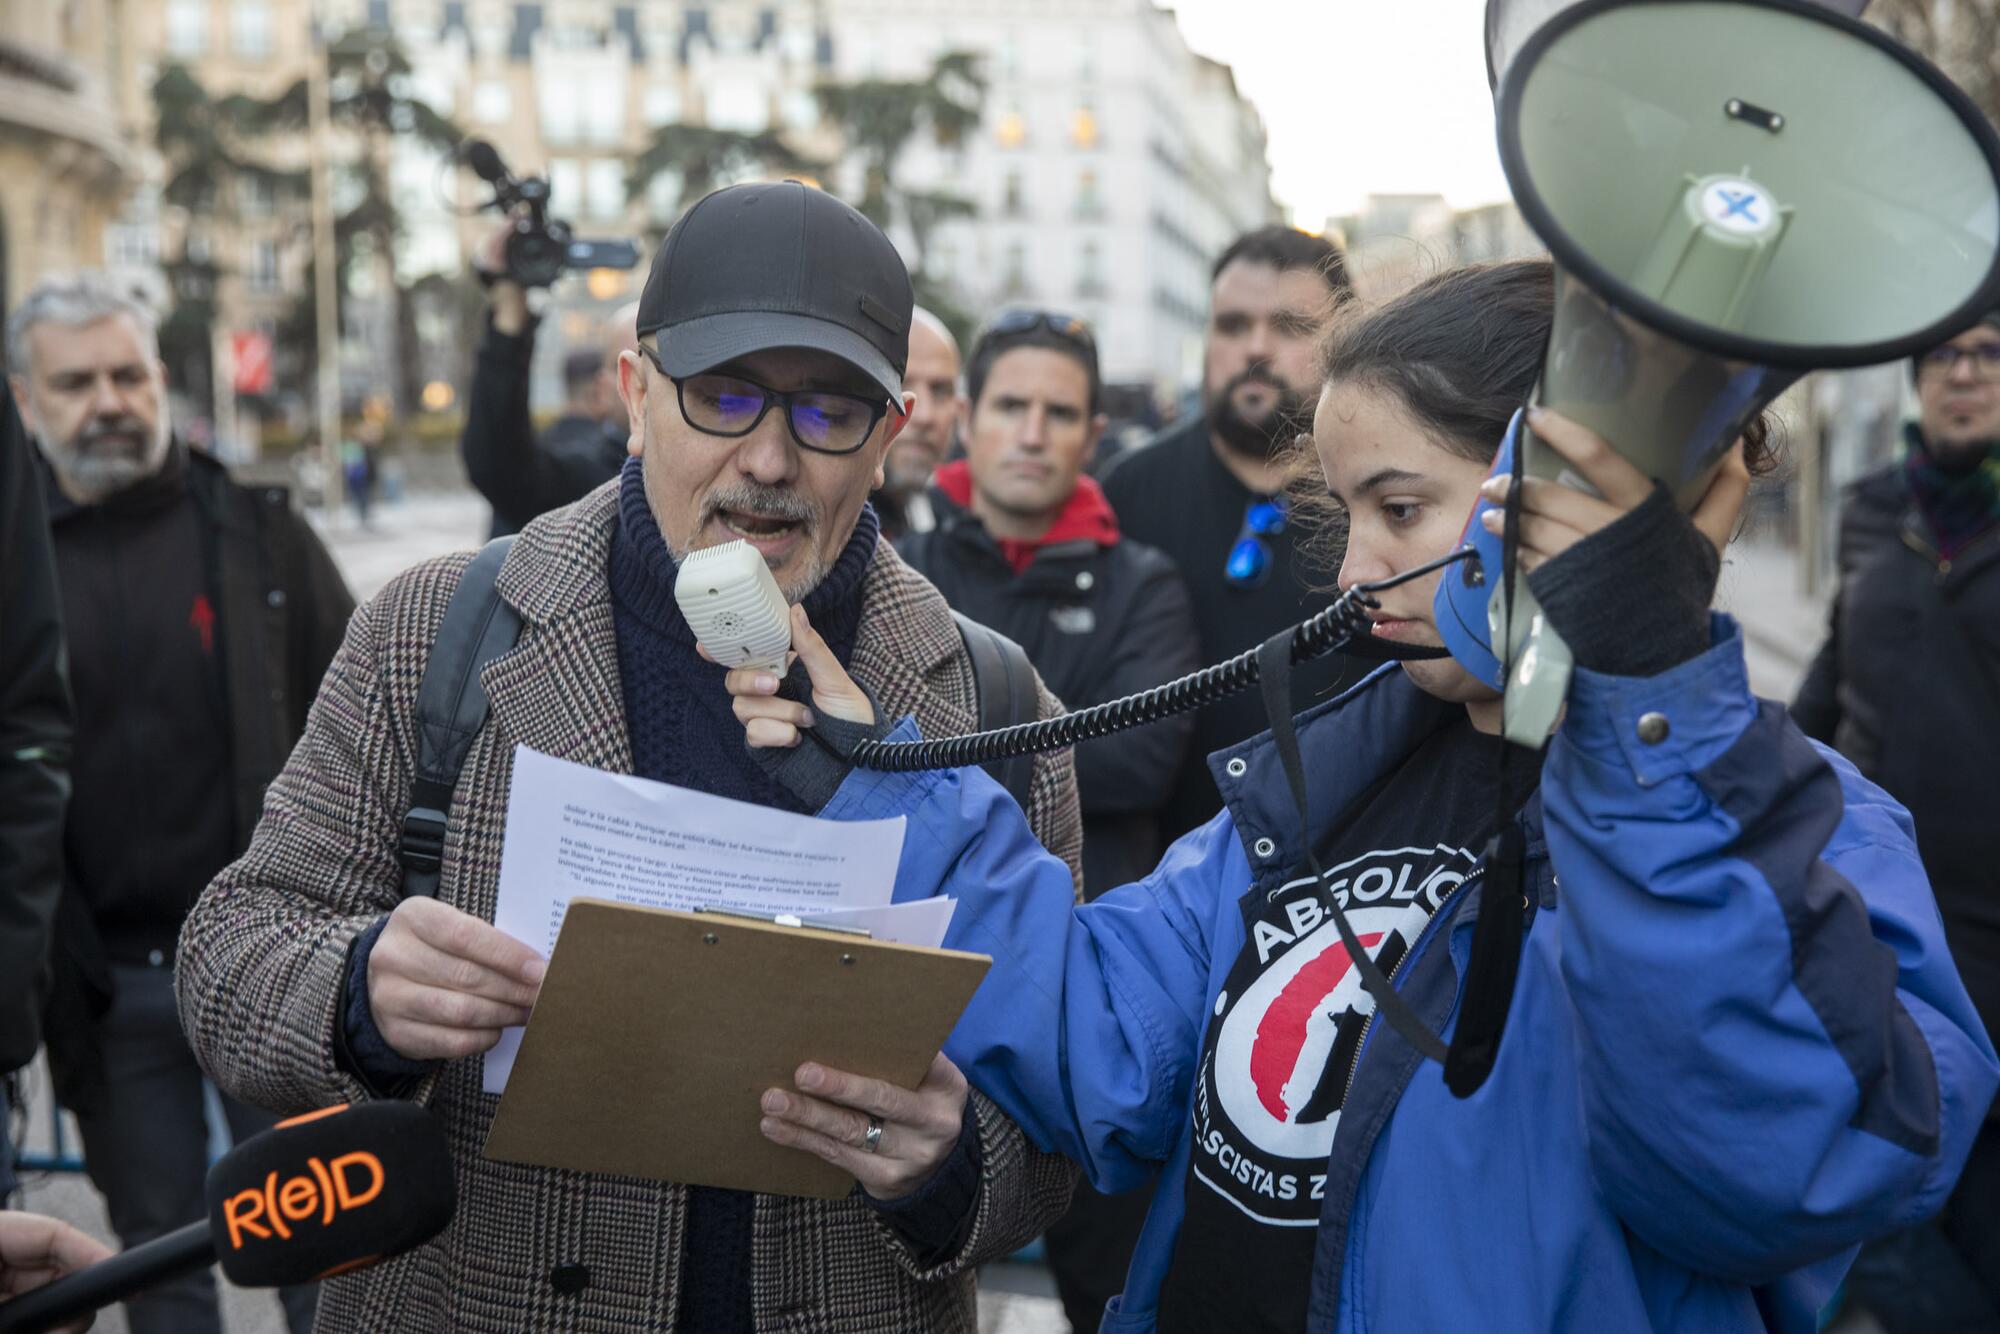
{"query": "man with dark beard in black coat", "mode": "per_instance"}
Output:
(1210, 493)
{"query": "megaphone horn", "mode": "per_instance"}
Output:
(1510, 22)
(1734, 192)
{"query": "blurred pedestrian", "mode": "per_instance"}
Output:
(1025, 543)
(200, 615)
(932, 383)
(1210, 492)
(585, 446)
(1907, 686)
(361, 467)
(34, 760)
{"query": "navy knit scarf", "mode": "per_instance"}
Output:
(1960, 501)
(683, 732)
(676, 710)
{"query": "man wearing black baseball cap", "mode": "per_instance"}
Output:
(773, 334)
(767, 388)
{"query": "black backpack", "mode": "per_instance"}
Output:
(478, 627)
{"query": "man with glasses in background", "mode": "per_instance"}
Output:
(1210, 492)
(774, 331)
(1025, 543)
(1908, 687)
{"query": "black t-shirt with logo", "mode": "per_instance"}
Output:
(1281, 1044)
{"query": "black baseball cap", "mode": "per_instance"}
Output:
(755, 267)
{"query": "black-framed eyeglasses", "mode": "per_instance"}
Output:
(824, 421)
(1985, 358)
(1251, 555)
(1026, 319)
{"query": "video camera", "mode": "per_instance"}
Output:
(541, 247)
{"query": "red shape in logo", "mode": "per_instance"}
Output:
(1281, 1033)
(202, 617)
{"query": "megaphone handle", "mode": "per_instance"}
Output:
(1535, 659)
(1538, 683)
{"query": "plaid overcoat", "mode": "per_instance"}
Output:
(264, 954)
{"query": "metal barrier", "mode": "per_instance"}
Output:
(59, 1158)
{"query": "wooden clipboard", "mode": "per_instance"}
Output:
(657, 1032)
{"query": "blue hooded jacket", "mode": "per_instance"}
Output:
(1738, 1046)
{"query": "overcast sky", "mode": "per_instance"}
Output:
(1360, 96)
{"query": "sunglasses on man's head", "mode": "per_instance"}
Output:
(824, 421)
(1251, 555)
(1021, 320)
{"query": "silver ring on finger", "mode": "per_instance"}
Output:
(871, 1138)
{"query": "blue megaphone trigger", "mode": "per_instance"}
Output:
(1465, 590)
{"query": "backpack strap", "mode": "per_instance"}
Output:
(1005, 683)
(451, 708)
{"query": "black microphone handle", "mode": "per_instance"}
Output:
(181, 1251)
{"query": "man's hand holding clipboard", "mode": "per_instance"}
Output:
(890, 1139)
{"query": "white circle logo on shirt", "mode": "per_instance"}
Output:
(1272, 1056)
(1288, 1025)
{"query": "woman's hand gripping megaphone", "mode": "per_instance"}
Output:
(1623, 576)
(1555, 517)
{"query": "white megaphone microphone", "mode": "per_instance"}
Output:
(1734, 192)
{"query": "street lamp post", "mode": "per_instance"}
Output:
(326, 286)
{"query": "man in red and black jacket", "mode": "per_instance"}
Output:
(1027, 544)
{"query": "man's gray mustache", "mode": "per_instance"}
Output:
(130, 431)
(786, 505)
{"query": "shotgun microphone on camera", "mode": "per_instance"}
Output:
(540, 247)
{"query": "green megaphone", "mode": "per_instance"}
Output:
(1735, 192)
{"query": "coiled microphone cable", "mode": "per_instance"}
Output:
(1343, 625)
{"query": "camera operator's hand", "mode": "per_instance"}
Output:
(442, 983)
(35, 1250)
(507, 297)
